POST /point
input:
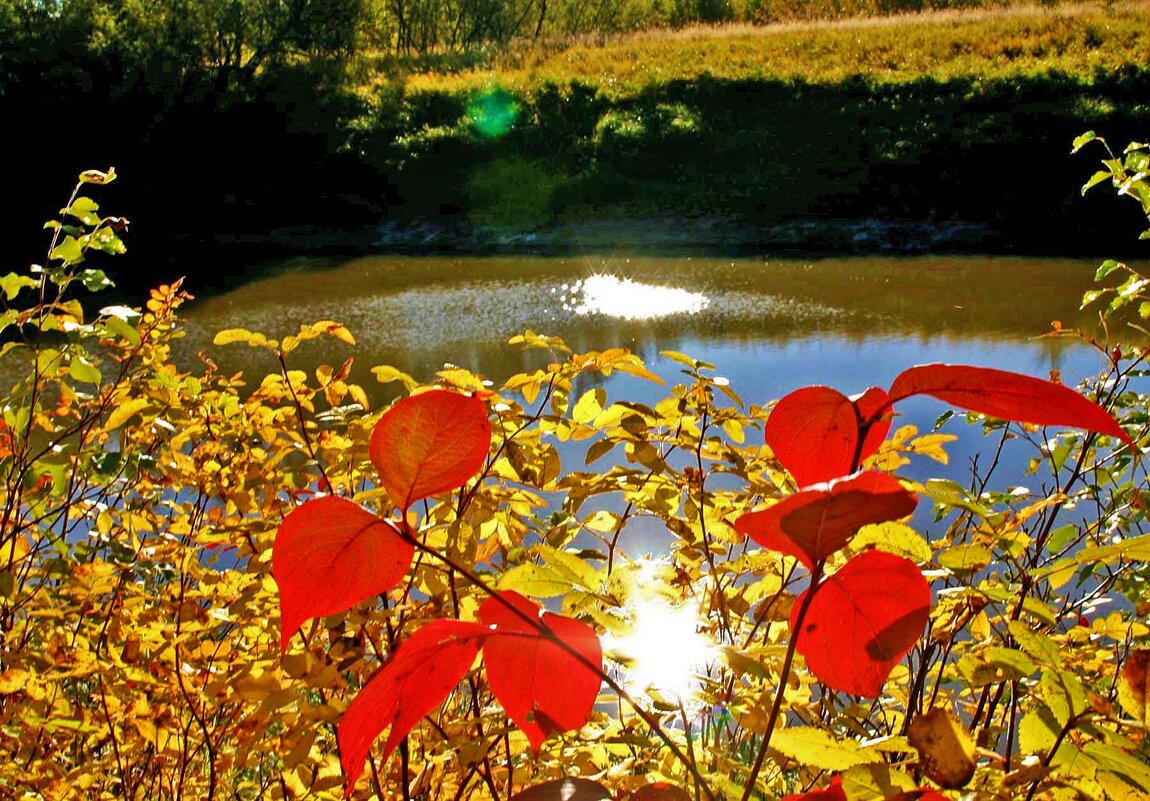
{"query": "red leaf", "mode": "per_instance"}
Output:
(815, 522)
(329, 554)
(832, 793)
(565, 790)
(862, 621)
(542, 687)
(415, 680)
(1006, 395)
(429, 443)
(814, 431)
(659, 791)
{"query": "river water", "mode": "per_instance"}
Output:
(768, 325)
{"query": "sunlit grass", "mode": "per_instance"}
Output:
(979, 44)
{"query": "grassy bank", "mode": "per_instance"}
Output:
(984, 44)
(941, 116)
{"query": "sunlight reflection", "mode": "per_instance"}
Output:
(629, 300)
(667, 648)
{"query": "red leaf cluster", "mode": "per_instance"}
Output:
(854, 626)
(819, 434)
(545, 669)
(329, 554)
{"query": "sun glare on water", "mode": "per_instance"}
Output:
(623, 298)
(665, 650)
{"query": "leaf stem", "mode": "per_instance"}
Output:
(784, 676)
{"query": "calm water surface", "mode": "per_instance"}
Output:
(770, 326)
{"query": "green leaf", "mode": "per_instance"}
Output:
(993, 665)
(1095, 179)
(1037, 731)
(122, 329)
(570, 566)
(105, 240)
(13, 283)
(1116, 761)
(69, 251)
(94, 280)
(1136, 548)
(83, 209)
(82, 370)
(1089, 296)
(1082, 140)
(1063, 693)
(1107, 267)
(816, 748)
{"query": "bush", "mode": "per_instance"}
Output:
(158, 522)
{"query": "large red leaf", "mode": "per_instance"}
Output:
(832, 793)
(814, 431)
(430, 443)
(1006, 395)
(329, 554)
(569, 789)
(415, 680)
(862, 621)
(541, 685)
(815, 522)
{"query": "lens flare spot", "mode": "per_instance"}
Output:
(493, 113)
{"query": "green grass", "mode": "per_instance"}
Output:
(1077, 40)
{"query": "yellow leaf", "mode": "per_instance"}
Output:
(897, 538)
(385, 374)
(589, 405)
(333, 329)
(931, 445)
(243, 336)
(945, 749)
(1133, 682)
(123, 412)
(13, 680)
(535, 581)
(817, 748)
(14, 551)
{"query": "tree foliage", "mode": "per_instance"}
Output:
(224, 585)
